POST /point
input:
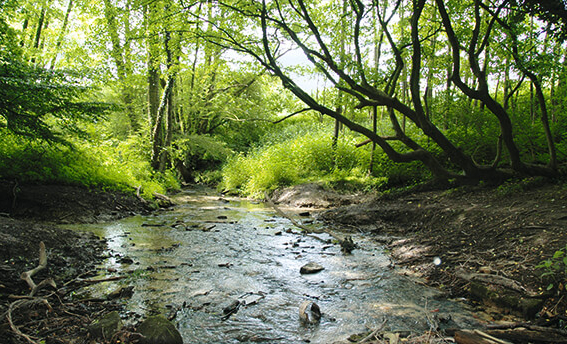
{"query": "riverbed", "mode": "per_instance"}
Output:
(194, 260)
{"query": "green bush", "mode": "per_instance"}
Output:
(287, 159)
(105, 165)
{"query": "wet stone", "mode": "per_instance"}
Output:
(106, 326)
(311, 268)
(158, 330)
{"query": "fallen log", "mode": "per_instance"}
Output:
(164, 198)
(495, 279)
(476, 337)
(525, 335)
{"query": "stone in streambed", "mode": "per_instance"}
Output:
(106, 326)
(158, 330)
(310, 268)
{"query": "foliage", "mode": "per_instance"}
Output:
(298, 155)
(554, 269)
(442, 118)
(106, 165)
(43, 104)
(200, 154)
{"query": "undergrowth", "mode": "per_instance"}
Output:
(302, 154)
(107, 165)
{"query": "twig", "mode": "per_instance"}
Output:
(20, 303)
(282, 214)
(27, 276)
(373, 333)
(494, 279)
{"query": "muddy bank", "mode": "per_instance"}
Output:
(26, 214)
(450, 238)
(66, 203)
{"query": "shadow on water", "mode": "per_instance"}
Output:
(208, 252)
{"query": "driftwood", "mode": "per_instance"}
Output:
(27, 276)
(30, 300)
(138, 189)
(524, 335)
(476, 337)
(494, 279)
(511, 333)
(164, 198)
(282, 214)
(373, 334)
(528, 333)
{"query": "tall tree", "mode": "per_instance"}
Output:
(120, 53)
(301, 23)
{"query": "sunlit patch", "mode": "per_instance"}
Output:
(437, 261)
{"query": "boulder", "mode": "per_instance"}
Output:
(158, 330)
(106, 326)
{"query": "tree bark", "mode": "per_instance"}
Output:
(121, 60)
(61, 34)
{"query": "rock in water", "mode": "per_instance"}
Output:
(309, 312)
(158, 330)
(311, 268)
(347, 245)
(106, 326)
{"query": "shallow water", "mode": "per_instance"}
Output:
(207, 252)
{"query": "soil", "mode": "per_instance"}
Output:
(435, 235)
(28, 214)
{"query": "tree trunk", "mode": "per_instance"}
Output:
(40, 26)
(158, 129)
(121, 59)
(61, 34)
(152, 61)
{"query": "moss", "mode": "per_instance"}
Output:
(158, 330)
(106, 326)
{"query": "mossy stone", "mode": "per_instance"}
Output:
(158, 330)
(106, 326)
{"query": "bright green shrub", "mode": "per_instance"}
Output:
(306, 157)
(107, 165)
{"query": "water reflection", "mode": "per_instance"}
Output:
(208, 252)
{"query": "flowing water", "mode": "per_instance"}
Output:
(208, 252)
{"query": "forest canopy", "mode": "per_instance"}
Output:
(471, 90)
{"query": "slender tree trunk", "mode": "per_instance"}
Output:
(153, 76)
(61, 34)
(40, 26)
(25, 25)
(121, 59)
(158, 129)
(165, 158)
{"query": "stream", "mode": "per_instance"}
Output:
(206, 252)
